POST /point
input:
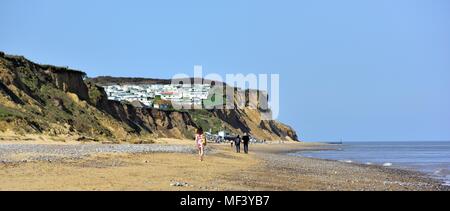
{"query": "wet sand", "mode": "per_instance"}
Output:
(176, 167)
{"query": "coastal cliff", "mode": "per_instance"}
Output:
(50, 100)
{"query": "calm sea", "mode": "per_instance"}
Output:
(432, 158)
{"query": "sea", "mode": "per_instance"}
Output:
(432, 158)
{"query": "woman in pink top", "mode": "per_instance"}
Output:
(200, 141)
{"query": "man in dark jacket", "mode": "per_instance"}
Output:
(237, 143)
(246, 140)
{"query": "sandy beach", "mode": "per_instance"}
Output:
(173, 165)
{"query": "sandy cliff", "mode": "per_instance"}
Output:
(45, 99)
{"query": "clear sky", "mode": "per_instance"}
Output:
(354, 69)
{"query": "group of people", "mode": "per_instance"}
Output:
(200, 141)
(237, 143)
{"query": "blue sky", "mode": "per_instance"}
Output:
(354, 69)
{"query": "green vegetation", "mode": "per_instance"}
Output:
(27, 78)
(60, 108)
(214, 101)
(95, 95)
(9, 113)
(206, 120)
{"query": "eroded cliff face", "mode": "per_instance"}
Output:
(175, 124)
(251, 115)
(51, 100)
(45, 99)
(69, 81)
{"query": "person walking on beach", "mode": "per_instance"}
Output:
(200, 141)
(246, 140)
(237, 143)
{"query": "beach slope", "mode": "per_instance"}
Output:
(175, 166)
